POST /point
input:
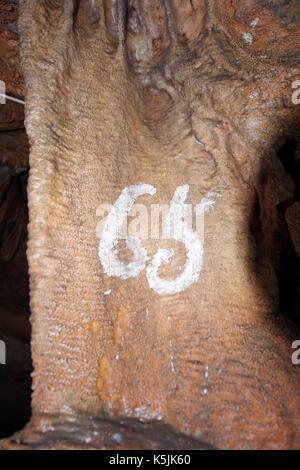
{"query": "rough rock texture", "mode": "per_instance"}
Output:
(11, 71)
(169, 94)
(12, 114)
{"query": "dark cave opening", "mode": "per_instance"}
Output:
(15, 332)
(287, 155)
(286, 237)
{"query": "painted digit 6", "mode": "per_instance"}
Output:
(111, 233)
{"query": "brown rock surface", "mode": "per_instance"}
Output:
(14, 149)
(197, 96)
(11, 114)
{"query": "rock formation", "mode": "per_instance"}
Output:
(156, 101)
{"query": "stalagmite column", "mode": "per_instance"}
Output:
(172, 103)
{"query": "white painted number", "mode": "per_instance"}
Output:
(177, 226)
(112, 231)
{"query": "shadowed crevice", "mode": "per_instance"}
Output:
(288, 265)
